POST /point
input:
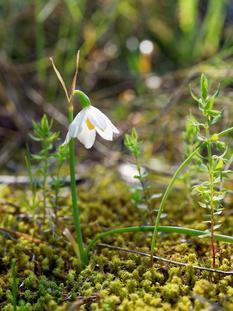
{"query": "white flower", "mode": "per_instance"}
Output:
(85, 125)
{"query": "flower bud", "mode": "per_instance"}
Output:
(83, 99)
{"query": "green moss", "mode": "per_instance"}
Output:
(50, 276)
(204, 288)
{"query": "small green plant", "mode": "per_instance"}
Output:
(42, 132)
(189, 136)
(211, 192)
(140, 195)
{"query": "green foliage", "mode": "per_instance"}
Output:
(211, 192)
(140, 193)
(183, 32)
(42, 132)
(132, 143)
(203, 34)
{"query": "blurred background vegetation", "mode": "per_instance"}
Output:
(137, 58)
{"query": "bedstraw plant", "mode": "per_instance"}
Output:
(212, 162)
(211, 191)
(141, 196)
(42, 132)
(189, 136)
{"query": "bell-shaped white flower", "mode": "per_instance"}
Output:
(88, 122)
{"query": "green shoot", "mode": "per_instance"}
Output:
(32, 182)
(42, 132)
(168, 229)
(14, 284)
(140, 194)
(210, 192)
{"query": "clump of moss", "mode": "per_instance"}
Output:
(50, 276)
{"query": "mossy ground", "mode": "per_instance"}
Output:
(49, 274)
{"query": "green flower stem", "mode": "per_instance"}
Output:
(166, 194)
(168, 229)
(82, 251)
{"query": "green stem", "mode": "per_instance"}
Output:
(211, 185)
(168, 229)
(45, 174)
(82, 251)
(31, 178)
(166, 194)
(57, 186)
(14, 284)
(144, 193)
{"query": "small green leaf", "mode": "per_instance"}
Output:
(134, 134)
(192, 94)
(217, 117)
(204, 87)
(219, 164)
(217, 91)
(209, 105)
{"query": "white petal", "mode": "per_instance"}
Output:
(67, 140)
(106, 134)
(96, 117)
(75, 126)
(101, 117)
(114, 129)
(86, 136)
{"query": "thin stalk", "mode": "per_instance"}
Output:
(166, 194)
(146, 199)
(14, 284)
(168, 229)
(174, 262)
(211, 185)
(31, 179)
(45, 174)
(82, 251)
(57, 188)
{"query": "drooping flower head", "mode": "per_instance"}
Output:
(88, 122)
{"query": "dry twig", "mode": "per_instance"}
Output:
(174, 262)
